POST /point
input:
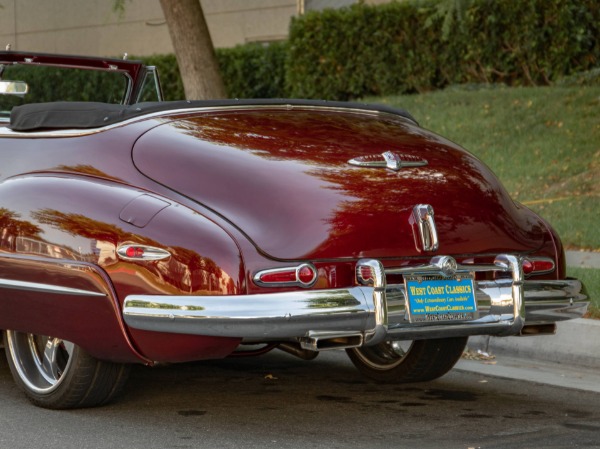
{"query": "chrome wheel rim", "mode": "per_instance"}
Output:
(40, 361)
(384, 356)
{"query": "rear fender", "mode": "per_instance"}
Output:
(60, 274)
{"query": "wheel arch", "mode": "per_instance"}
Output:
(59, 270)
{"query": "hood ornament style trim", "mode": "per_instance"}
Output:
(389, 160)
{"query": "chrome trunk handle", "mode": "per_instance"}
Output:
(423, 216)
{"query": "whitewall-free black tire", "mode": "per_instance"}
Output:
(408, 361)
(58, 374)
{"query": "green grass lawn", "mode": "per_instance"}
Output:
(542, 142)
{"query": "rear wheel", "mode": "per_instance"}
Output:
(58, 374)
(408, 361)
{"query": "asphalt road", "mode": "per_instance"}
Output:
(277, 401)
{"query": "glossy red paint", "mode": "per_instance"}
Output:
(175, 348)
(88, 313)
(51, 217)
(303, 201)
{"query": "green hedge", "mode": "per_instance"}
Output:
(350, 52)
(56, 83)
(254, 70)
(249, 71)
(168, 71)
(411, 46)
(402, 47)
(536, 43)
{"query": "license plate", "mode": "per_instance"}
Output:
(438, 298)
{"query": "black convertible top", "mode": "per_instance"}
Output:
(88, 115)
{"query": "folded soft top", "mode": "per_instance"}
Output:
(85, 115)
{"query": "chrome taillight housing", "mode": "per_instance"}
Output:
(303, 275)
(142, 253)
(538, 265)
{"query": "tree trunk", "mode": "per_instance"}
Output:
(194, 49)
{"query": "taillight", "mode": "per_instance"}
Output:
(538, 265)
(304, 275)
(134, 252)
(142, 252)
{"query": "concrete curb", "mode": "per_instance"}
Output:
(576, 343)
(583, 259)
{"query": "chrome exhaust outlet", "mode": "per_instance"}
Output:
(322, 341)
(295, 350)
(538, 329)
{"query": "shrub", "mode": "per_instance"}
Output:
(254, 70)
(408, 47)
(249, 71)
(362, 50)
(168, 71)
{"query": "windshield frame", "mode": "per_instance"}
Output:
(135, 71)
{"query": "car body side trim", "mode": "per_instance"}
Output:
(47, 288)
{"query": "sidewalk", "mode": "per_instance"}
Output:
(576, 343)
(583, 259)
(523, 370)
(569, 359)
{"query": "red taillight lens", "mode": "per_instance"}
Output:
(135, 252)
(278, 277)
(303, 275)
(143, 253)
(538, 265)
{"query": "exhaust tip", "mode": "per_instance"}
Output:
(538, 329)
(324, 342)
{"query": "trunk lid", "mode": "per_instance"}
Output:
(283, 177)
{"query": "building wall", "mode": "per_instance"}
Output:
(233, 22)
(91, 27)
(87, 27)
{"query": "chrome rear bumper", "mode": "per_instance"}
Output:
(365, 314)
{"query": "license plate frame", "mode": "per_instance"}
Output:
(440, 299)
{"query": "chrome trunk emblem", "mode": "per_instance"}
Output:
(446, 264)
(389, 160)
(423, 217)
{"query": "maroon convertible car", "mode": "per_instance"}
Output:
(134, 230)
